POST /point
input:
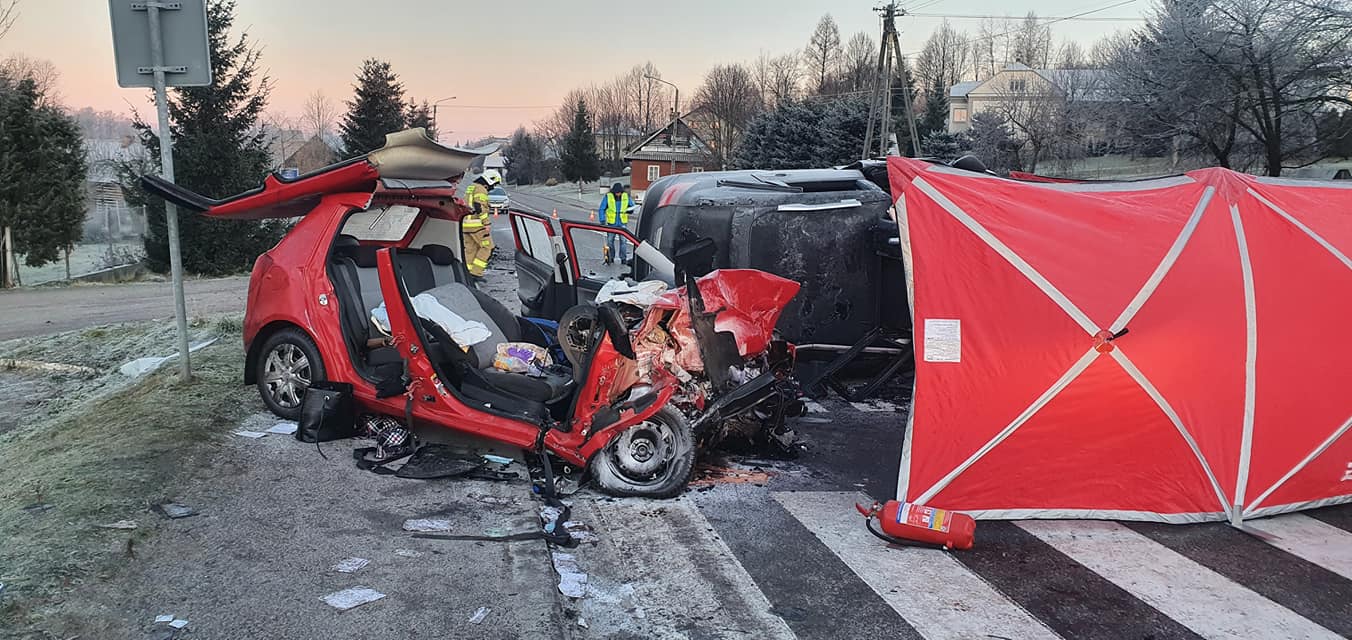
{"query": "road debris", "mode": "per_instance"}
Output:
(407, 553)
(174, 510)
(580, 532)
(283, 428)
(120, 524)
(479, 615)
(813, 407)
(497, 459)
(500, 501)
(874, 406)
(141, 366)
(350, 565)
(572, 581)
(47, 367)
(427, 525)
(164, 619)
(352, 597)
(178, 623)
(245, 433)
(38, 507)
(708, 475)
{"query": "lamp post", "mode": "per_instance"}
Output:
(435, 124)
(675, 115)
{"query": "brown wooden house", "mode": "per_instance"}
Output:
(675, 148)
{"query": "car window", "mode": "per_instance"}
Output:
(592, 247)
(534, 238)
(498, 191)
(385, 224)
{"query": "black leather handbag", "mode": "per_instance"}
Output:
(327, 413)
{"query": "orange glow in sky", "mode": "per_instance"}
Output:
(519, 58)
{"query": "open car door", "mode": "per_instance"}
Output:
(589, 246)
(543, 282)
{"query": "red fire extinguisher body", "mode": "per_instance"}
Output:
(924, 524)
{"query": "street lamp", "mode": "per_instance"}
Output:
(675, 115)
(436, 125)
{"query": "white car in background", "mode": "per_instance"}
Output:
(498, 199)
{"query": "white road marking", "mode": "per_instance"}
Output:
(1206, 602)
(1307, 538)
(936, 594)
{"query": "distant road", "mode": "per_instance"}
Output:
(35, 312)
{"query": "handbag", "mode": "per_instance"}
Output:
(327, 413)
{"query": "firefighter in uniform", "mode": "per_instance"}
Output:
(476, 228)
(614, 212)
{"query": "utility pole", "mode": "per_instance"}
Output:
(436, 125)
(675, 115)
(880, 101)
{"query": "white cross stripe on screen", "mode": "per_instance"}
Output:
(1080, 318)
(1347, 475)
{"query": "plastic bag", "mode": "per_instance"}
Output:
(522, 357)
(641, 294)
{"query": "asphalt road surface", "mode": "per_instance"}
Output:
(40, 311)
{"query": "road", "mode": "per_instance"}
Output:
(33, 312)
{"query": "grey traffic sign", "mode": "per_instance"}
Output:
(183, 28)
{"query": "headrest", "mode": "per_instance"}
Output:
(365, 257)
(439, 254)
(345, 245)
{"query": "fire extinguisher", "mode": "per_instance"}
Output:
(912, 524)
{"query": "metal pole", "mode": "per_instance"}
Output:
(167, 170)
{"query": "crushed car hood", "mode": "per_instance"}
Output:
(745, 303)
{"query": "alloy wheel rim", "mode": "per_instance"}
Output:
(286, 373)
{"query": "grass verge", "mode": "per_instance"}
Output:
(106, 457)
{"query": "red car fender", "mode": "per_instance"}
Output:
(628, 418)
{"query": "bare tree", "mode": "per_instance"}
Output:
(9, 14)
(1032, 43)
(1033, 108)
(822, 54)
(730, 97)
(1228, 74)
(1071, 56)
(318, 114)
(860, 62)
(943, 62)
(991, 46)
(42, 72)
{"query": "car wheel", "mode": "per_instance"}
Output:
(652, 459)
(288, 365)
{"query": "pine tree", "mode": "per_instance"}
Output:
(42, 173)
(376, 108)
(420, 115)
(992, 142)
(526, 157)
(843, 125)
(934, 119)
(579, 158)
(219, 151)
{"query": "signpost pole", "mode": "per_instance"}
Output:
(167, 170)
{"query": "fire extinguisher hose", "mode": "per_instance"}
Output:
(902, 542)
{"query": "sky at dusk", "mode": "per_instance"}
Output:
(507, 63)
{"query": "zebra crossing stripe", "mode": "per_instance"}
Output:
(1309, 539)
(1206, 602)
(936, 594)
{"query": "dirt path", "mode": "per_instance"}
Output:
(35, 312)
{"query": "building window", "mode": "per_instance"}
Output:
(1018, 86)
(959, 114)
(654, 172)
(697, 169)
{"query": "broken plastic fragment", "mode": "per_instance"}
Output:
(407, 553)
(178, 623)
(120, 524)
(874, 406)
(581, 532)
(283, 428)
(497, 459)
(479, 615)
(572, 581)
(175, 510)
(245, 433)
(350, 565)
(167, 618)
(425, 525)
(352, 597)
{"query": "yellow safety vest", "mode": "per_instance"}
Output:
(475, 196)
(612, 209)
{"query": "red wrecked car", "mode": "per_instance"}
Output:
(640, 387)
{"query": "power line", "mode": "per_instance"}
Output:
(489, 106)
(1044, 24)
(995, 17)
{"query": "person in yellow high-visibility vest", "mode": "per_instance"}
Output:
(614, 212)
(476, 228)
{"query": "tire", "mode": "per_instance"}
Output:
(287, 365)
(652, 459)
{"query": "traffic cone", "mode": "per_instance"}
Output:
(592, 217)
(556, 214)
